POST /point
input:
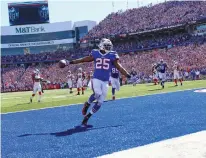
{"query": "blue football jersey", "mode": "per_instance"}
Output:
(114, 72)
(103, 64)
(161, 67)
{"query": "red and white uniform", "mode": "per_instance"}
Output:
(80, 78)
(37, 85)
(69, 81)
(85, 79)
(90, 79)
(155, 73)
(176, 69)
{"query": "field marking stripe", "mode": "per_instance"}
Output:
(192, 145)
(116, 99)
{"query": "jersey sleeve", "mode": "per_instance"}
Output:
(116, 56)
(93, 53)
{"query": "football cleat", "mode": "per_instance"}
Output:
(113, 97)
(85, 108)
(85, 120)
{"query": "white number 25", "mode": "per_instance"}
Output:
(102, 63)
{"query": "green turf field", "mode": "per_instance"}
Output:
(18, 101)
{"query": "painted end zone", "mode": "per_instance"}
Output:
(188, 146)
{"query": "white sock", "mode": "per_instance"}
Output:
(39, 97)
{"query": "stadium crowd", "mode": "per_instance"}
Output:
(192, 58)
(147, 18)
(124, 46)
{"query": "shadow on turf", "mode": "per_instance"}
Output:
(77, 129)
(149, 85)
(22, 104)
(158, 89)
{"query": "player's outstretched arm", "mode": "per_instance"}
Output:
(82, 60)
(64, 62)
(121, 69)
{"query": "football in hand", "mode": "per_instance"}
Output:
(62, 63)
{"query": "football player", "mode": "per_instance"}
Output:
(134, 76)
(161, 68)
(103, 59)
(114, 81)
(80, 78)
(90, 76)
(177, 74)
(37, 79)
(155, 74)
(69, 81)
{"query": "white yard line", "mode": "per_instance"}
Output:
(187, 146)
(5, 98)
(116, 99)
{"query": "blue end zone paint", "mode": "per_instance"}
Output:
(119, 125)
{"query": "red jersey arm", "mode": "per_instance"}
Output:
(33, 77)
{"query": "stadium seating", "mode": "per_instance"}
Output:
(147, 18)
(191, 58)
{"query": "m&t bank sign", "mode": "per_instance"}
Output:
(29, 29)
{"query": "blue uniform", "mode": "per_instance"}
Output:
(114, 72)
(103, 64)
(161, 67)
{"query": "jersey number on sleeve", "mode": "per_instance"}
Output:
(102, 63)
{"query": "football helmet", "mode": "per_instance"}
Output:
(106, 45)
(36, 71)
(80, 69)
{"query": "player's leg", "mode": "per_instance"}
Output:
(70, 87)
(134, 81)
(99, 88)
(161, 78)
(154, 79)
(113, 88)
(117, 86)
(40, 93)
(164, 79)
(180, 79)
(83, 88)
(92, 98)
(35, 89)
(85, 84)
(79, 86)
(175, 79)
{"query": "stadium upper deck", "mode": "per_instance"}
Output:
(142, 19)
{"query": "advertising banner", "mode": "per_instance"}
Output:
(34, 44)
(36, 29)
